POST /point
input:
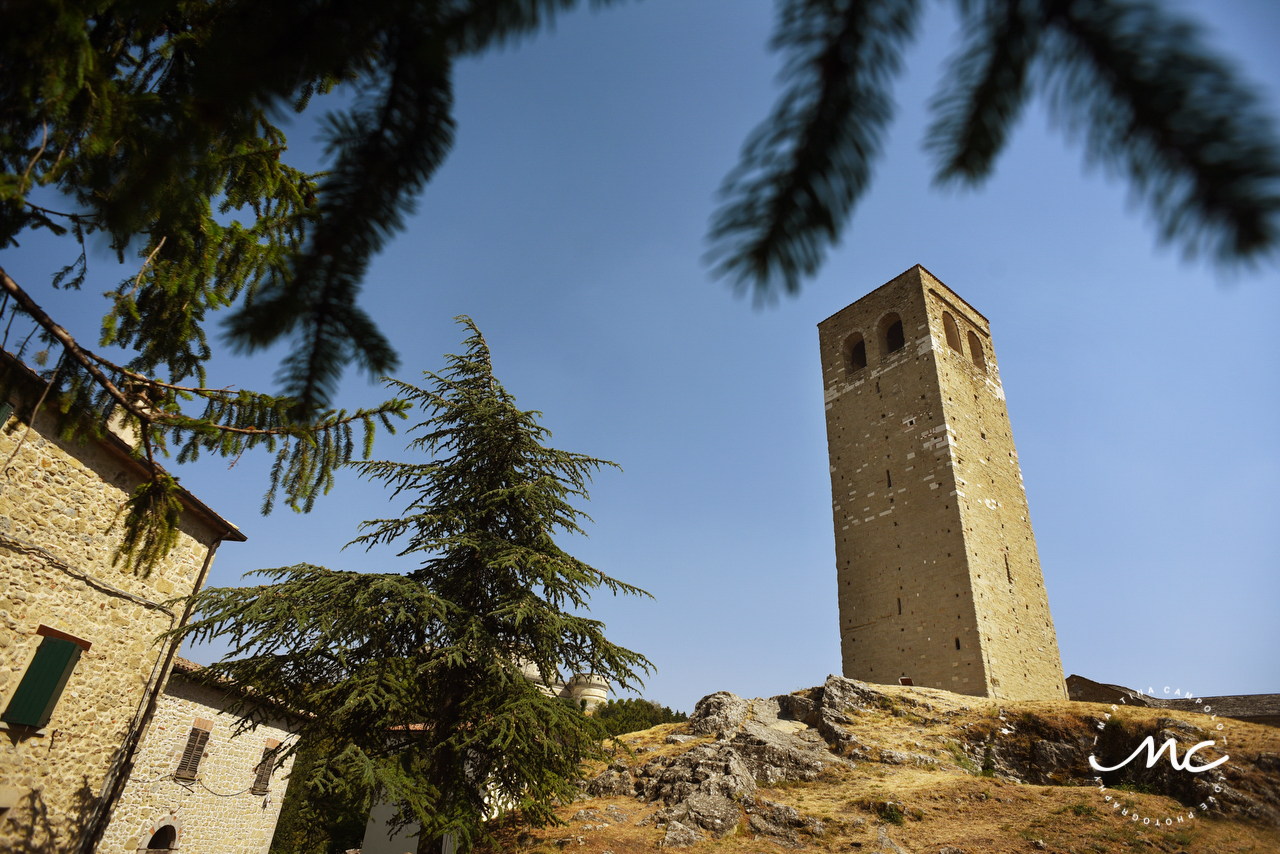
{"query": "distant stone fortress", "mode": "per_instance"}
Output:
(584, 689)
(939, 580)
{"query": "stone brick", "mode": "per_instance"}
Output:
(939, 578)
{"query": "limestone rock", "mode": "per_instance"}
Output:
(781, 822)
(901, 757)
(705, 768)
(1181, 730)
(772, 755)
(710, 811)
(718, 713)
(677, 738)
(886, 845)
(612, 783)
(831, 724)
(678, 836)
(802, 706)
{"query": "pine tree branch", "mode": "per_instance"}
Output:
(71, 348)
(987, 84)
(1152, 101)
(803, 169)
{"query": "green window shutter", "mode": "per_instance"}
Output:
(42, 684)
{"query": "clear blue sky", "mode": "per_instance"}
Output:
(569, 223)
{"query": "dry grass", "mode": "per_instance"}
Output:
(927, 808)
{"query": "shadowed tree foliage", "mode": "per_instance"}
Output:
(311, 824)
(1137, 83)
(155, 123)
(417, 682)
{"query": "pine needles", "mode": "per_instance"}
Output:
(419, 681)
(1133, 80)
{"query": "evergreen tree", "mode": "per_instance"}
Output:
(154, 120)
(417, 680)
(633, 715)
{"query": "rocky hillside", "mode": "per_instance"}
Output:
(850, 766)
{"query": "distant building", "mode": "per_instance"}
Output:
(1253, 708)
(939, 580)
(194, 787)
(585, 691)
(80, 671)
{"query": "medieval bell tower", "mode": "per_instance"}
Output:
(939, 580)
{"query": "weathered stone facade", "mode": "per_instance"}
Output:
(221, 811)
(939, 579)
(57, 504)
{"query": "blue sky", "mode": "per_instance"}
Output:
(569, 223)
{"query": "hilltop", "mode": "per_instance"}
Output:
(851, 766)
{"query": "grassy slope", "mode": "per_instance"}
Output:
(947, 804)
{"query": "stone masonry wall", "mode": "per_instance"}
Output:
(216, 813)
(928, 503)
(57, 501)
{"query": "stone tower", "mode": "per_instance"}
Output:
(936, 562)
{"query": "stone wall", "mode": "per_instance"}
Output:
(57, 502)
(217, 813)
(939, 579)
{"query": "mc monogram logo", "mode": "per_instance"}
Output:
(1153, 756)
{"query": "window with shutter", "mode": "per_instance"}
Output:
(262, 779)
(189, 764)
(41, 686)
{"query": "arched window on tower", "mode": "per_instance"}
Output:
(975, 352)
(891, 337)
(855, 353)
(953, 332)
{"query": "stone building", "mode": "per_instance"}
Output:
(80, 671)
(194, 787)
(582, 690)
(939, 580)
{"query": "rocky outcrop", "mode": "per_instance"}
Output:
(711, 787)
(613, 781)
(885, 845)
(781, 822)
(705, 778)
(1056, 752)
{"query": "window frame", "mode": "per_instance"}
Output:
(976, 354)
(44, 679)
(266, 767)
(188, 767)
(850, 349)
(951, 331)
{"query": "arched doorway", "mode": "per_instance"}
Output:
(165, 835)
